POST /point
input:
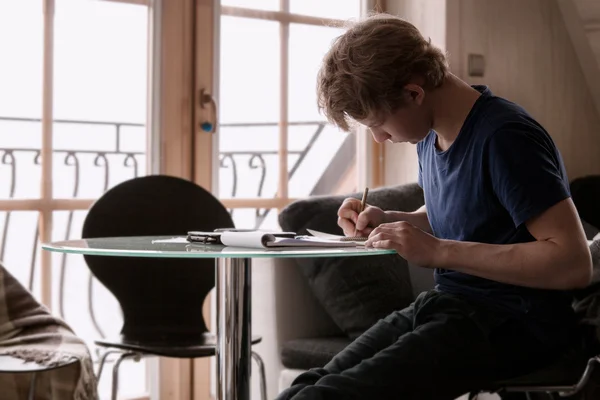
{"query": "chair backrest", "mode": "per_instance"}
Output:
(585, 192)
(161, 298)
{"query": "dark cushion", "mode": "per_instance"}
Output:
(311, 353)
(355, 291)
(590, 230)
(585, 192)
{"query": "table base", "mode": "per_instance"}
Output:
(234, 328)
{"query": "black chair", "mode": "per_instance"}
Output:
(567, 376)
(161, 299)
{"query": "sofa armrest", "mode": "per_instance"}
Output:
(421, 279)
(298, 312)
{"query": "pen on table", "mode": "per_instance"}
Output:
(363, 204)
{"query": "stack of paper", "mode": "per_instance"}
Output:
(259, 239)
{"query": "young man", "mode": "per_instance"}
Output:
(498, 227)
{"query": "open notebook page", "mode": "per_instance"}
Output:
(324, 235)
(266, 240)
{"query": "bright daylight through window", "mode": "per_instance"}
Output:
(74, 86)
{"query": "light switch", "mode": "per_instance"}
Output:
(476, 65)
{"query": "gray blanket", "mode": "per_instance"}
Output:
(28, 331)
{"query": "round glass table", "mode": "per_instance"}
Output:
(233, 272)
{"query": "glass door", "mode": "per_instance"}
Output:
(273, 145)
(258, 59)
(73, 123)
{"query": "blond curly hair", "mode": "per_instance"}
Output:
(364, 73)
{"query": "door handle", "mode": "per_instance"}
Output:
(208, 101)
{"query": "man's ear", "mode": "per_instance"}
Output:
(415, 93)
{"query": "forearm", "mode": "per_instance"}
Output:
(417, 218)
(538, 264)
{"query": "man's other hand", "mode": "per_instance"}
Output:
(411, 243)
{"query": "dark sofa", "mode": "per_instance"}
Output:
(322, 304)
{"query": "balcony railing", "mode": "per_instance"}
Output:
(129, 164)
(227, 159)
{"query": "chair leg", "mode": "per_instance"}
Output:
(115, 381)
(31, 394)
(263, 377)
(103, 361)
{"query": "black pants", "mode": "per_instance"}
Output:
(439, 348)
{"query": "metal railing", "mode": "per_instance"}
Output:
(256, 161)
(12, 158)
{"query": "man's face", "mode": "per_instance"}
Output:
(410, 123)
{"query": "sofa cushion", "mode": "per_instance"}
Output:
(355, 291)
(311, 353)
(590, 230)
(585, 192)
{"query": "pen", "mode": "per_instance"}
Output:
(363, 204)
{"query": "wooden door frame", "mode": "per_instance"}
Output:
(186, 67)
(174, 113)
(375, 154)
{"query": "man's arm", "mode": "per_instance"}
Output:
(559, 258)
(528, 179)
(417, 218)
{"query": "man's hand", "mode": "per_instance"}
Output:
(414, 245)
(352, 221)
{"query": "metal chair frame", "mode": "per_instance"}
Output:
(136, 356)
(560, 390)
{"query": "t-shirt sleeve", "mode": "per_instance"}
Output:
(527, 172)
(420, 172)
(420, 175)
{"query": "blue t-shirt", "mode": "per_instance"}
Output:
(502, 169)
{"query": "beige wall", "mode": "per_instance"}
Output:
(529, 60)
(400, 160)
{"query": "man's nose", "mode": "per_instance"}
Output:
(380, 135)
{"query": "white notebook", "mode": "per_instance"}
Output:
(267, 240)
(324, 235)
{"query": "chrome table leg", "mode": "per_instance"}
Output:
(234, 332)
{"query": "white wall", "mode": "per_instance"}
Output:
(529, 60)
(400, 160)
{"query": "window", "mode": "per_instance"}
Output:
(274, 146)
(72, 124)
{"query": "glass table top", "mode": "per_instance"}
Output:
(179, 247)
